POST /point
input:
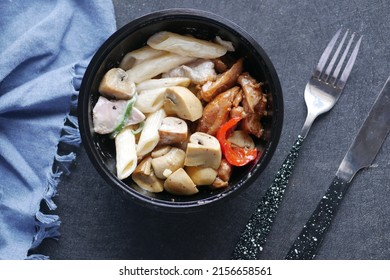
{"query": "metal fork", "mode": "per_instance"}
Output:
(321, 94)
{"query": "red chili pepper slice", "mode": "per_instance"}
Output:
(234, 155)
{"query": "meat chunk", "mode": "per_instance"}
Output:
(251, 124)
(223, 174)
(199, 71)
(216, 113)
(238, 112)
(224, 81)
(237, 99)
(108, 114)
(219, 65)
(252, 91)
(254, 103)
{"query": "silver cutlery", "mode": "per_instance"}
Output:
(361, 154)
(321, 94)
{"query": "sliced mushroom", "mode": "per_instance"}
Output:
(173, 130)
(203, 150)
(172, 161)
(182, 102)
(160, 151)
(179, 183)
(144, 176)
(241, 139)
(201, 176)
(167, 173)
(116, 84)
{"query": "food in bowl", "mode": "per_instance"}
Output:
(182, 113)
(202, 25)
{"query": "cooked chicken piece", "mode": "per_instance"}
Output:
(227, 44)
(238, 112)
(225, 170)
(224, 81)
(251, 124)
(219, 65)
(219, 183)
(254, 103)
(223, 174)
(199, 71)
(216, 113)
(108, 115)
(261, 107)
(255, 100)
(237, 99)
(251, 89)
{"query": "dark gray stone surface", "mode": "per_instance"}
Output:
(97, 223)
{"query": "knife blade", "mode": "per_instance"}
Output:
(360, 154)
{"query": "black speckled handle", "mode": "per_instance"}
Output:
(306, 245)
(259, 225)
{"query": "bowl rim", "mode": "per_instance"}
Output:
(117, 37)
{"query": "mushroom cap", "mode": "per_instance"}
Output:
(173, 130)
(145, 178)
(203, 150)
(182, 102)
(116, 84)
(172, 160)
(201, 176)
(179, 183)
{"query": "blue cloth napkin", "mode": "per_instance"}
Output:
(45, 47)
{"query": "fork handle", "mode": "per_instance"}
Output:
(308, 242)
(259, 225)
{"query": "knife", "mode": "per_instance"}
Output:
(360, 155)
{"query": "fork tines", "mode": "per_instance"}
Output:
(335, 78)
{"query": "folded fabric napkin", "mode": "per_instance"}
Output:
(44, 50)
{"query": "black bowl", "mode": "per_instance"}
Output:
(203, 25)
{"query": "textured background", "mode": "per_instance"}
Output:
(97, 223)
